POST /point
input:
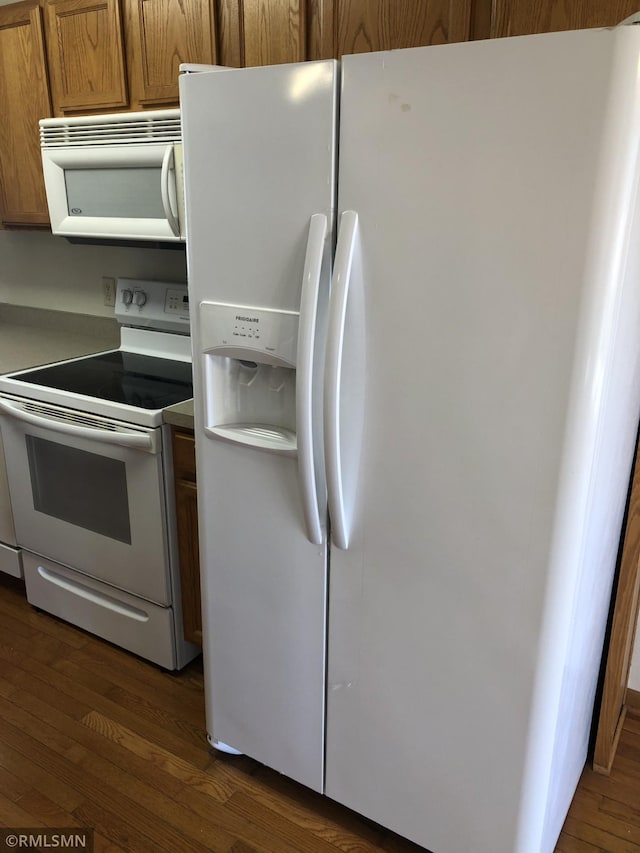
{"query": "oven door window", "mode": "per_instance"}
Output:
(82, 488)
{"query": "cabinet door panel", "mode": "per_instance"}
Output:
(274, 31)
(160, 35)
(186, 494)
(187, 523)
(230, 42)
(513, 18)
(24, 98)
(86, 58)
(339, 27)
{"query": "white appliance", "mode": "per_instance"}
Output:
(90, 474)
(428, 654)
(115, 177)
(10, 554)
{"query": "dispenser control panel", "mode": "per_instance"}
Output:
(244, 331)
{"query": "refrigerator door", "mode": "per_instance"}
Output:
(494, 185)
(260, 183)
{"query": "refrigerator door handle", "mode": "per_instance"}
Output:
(333, 372)
(304, 376)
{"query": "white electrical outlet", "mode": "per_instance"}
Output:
(109, 288)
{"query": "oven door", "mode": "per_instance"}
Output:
(88, 492)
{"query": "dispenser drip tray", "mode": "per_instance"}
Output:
(261, 436)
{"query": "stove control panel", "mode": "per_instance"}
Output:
(152, 305)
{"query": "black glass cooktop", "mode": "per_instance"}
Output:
(121, 377)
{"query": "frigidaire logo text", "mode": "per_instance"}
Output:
(247, 319)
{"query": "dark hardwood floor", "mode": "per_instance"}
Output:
(91, 736)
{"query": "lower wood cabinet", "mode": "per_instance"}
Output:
(184, 465)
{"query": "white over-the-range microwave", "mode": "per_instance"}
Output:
(115, 177)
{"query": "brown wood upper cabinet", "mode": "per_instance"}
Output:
(24, 99)
(515, 18)
(262, 32)
(265, 32)
(340, 27)
(114, 55)
(86, 55)
(160, 34)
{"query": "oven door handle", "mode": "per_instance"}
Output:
(135, 440)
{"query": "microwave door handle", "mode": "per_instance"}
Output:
(134, 440)
(167, 166)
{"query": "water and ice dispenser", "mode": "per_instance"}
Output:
(250, 374)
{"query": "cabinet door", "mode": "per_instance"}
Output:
(339, 27)
(187, 521)
(262, 32)
(186, 494)
(86, 56)
(511, 18)
(24, 98)
(160, 34)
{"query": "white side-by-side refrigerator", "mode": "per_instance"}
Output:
(415, 288)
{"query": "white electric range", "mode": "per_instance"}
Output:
(90, 476)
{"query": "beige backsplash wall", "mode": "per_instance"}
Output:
(42, 271)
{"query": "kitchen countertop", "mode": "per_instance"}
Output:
(33, 336)
(180, 415)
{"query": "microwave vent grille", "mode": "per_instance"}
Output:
(118, 129)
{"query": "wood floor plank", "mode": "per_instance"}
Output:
(108, 659)
(101, 844)
(59, 712)
(14, 607)
(13, 815)
(248, 808)
(99, 794)
(204, 792)
(30, 773)
(618, 821)
(159, 758)
(220, 781)
(117, 790)
(59, 733)
(73, 688)
(180, 695)
(311, 811)
(568, 844)
(618, 786)
(600, 838)
(118, 829)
